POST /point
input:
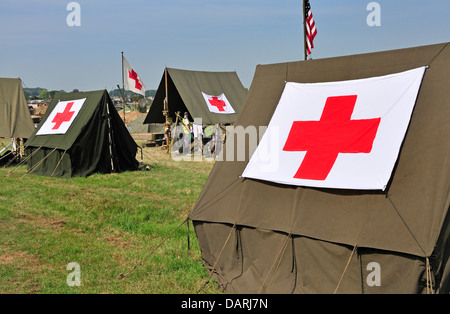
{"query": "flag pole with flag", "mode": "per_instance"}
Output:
(309, 28)
(131, 80)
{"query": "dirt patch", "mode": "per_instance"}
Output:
(18, 257)
(115, 241)
(25, 262)
(40, 221)
(130, 116)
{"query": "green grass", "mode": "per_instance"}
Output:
(105, 223)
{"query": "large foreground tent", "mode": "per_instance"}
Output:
(189, 91)
(258, 236)
(15, 118)
(81, 133)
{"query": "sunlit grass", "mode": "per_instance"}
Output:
(105, 223)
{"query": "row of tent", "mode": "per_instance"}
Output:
(97, 140)
(263, 237)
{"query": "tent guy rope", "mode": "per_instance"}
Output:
(123, 276)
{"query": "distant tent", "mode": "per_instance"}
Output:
(137, 126)
(96, 139)
(15, 117)
(185, 88)
(258, 236)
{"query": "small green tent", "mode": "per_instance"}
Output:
(184, 92)
(15, 118)
(96, 140)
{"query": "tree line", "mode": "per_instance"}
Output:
(44, 94)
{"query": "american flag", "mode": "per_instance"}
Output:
(311, 30)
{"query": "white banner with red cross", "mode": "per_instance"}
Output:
(218, 104)
(344, 134)
(131, 80)
(61, 117)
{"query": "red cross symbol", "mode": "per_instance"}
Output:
(219, 104)
(64, 116)
(333, 134)
(133, 75)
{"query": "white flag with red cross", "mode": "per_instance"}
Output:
(218, 104)
(61, 117)
(131, 80)
(343, 135)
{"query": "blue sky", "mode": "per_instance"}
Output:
(38, 46)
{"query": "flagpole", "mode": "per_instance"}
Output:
(123, 96)
(304, 32)
(166, 103)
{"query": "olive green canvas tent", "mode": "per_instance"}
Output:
(15, 117)
(96, 139)
(184, 94)
(264, 237)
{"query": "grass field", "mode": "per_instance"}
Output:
(105, 223)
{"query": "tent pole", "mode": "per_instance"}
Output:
(123, 92)
(165, 79)
(176, 124)
(110, 137)
(166, 114)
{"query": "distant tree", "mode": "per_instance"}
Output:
(31, 92)
(116, 93)
(76, 90)
(43, 94)
(150, 93)
(52, 93)
(40, 93)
